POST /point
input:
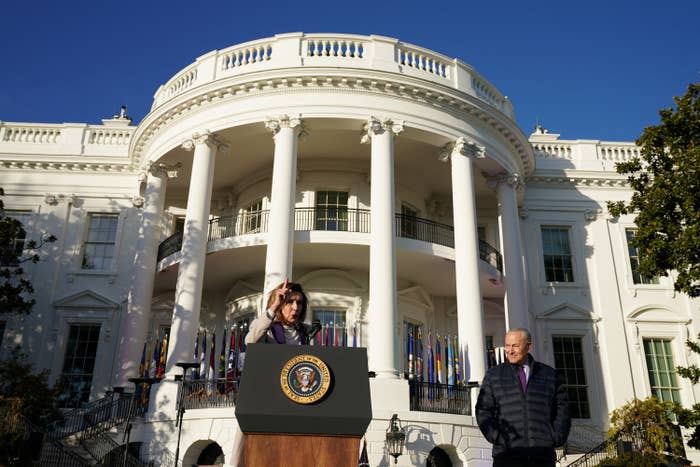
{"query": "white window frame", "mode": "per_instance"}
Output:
(569, 232)
(586, 370)
(113, 267)
(629, 278)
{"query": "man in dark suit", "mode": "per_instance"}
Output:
(522, 407)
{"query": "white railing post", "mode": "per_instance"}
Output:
(382, 53)
(286, 50)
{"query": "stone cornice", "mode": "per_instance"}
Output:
(578, 180)
(448, 100)
(66, 166)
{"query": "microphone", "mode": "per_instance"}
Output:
(315, 327)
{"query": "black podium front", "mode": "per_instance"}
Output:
(303, 405)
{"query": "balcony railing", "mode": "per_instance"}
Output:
(205, 394)
(331, 219)
(441, 398)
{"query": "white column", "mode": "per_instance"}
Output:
(509, 223)
(138, 313)
(382, 248)
(470, 313)
(280, 233)
(190, 275)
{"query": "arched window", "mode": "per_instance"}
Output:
(438, 458)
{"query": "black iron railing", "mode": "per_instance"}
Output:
(170, 245)
(441, 398)
(331, 219)
(110, 453)
(204, 394)
(99, 415)
(615, 447)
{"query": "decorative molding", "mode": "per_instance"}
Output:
(578, 181)
(137, 201)
(66, 166)
(456, 103)
(275, 124)
(53, 199)
(375, 126)
(513, 180)
(205, 137)
(159, 169)
(463, 147)
(592, 214)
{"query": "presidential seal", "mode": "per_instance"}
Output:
(305, 379)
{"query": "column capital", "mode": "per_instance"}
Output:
(462, 146)
(159, 169)
(513, 180)
(375, 126)
(275, 124)
(204, 137)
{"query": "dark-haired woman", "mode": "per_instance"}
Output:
(283, 321)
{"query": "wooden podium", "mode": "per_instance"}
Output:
(302, 406)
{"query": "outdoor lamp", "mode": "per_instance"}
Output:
(395, 438)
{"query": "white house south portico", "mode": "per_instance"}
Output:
(391, 182)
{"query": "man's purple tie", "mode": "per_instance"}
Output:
(522, 377)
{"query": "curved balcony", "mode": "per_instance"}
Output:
(331, 219)
(335, 51)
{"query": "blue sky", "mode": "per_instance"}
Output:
(590, 70)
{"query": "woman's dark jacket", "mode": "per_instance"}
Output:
(523, 425)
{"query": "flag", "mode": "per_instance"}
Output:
(211, 375)
(138, 390)
(410, 355)
(344, 336)
(202, 357)
(363, 461)
(450, 363)
(231, 365)
(431, 367)
(354, 335)
(222, 361)
(458, 372)
(327, 341)
(419, 356)
(155, 359)
(195, 371)
(162, 356)
(335, 335)
(438, 365)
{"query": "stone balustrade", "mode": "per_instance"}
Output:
(551, 152)
(298, 50)
(67, 139)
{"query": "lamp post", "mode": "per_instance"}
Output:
(395, 438)
(180, 409)
(127, 429)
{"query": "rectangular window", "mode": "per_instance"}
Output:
(252, 217)
(179, 225)
(15, 245)
(98, 250)
(78, 365)
(661, 369)
(568, 360)
(409, 222)
(334, 327)
(556, 248)
(633, 253)
(332, 210)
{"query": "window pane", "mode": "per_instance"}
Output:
(568, 360)
(633, 254)
(334, 330)
(78, 364)
(558, 266)
(331, 210)
(98, 251)
(661, 369)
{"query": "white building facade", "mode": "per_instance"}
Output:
(391, 181)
